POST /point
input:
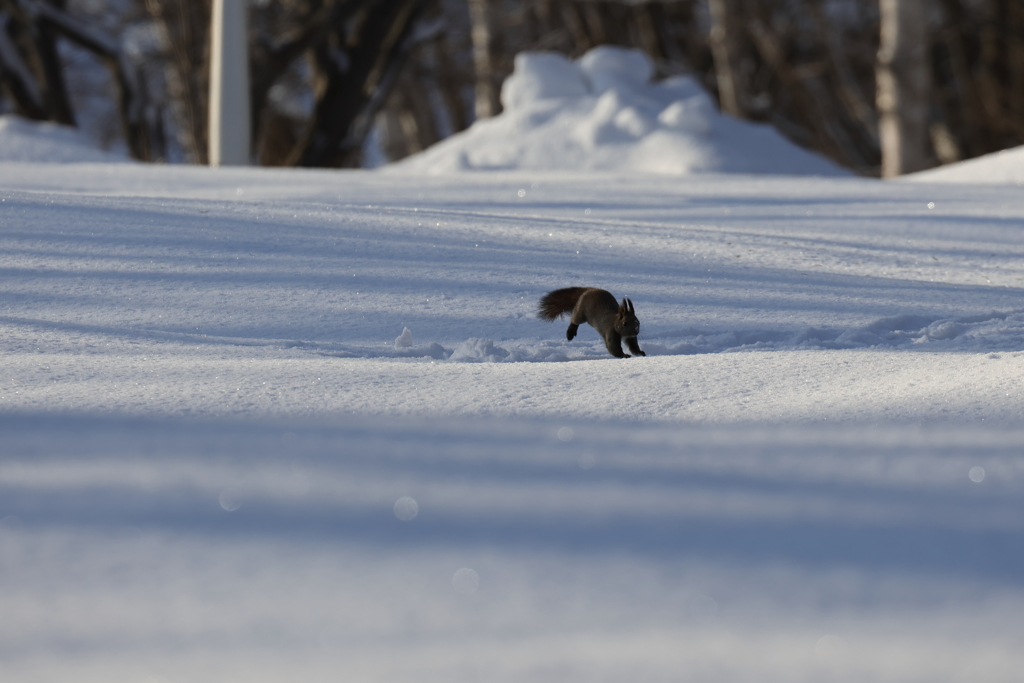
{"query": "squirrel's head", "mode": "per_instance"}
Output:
(626, 322)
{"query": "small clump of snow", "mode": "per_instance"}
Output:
(404, 340)
(603, 112)
(42, 142)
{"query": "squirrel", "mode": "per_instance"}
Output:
(613, 321)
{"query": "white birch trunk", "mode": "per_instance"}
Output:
(903, 75)
(722, 52)
(481, 14)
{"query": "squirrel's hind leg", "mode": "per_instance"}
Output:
(571, 332)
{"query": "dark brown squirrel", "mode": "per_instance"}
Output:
(615, 322)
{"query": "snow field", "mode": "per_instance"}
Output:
(545, 550)
(219, 392)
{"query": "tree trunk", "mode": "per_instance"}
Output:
(355, 86)
(30, 65)
(185, 27)
(58, 102)
(1015, 65)
(15, 74)
(723, 50)
(484, 35)
(903, 74)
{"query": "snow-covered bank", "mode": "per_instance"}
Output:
(762, 387)
(1005, 167)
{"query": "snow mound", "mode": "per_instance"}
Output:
(603, 113)
(1003, 167)
(476, 350)
(33, 141)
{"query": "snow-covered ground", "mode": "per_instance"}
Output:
(278, 425)
(839, 295)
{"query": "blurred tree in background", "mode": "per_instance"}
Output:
(843, 77)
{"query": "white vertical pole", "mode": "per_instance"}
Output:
(229, 85)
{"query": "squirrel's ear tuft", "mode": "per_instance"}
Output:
(629, 305)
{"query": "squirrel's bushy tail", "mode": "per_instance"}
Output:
(554, 304)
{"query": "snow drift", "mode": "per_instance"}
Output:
(23, 140)
(604, 113)
(1002, 167)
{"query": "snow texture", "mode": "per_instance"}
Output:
(604, 113)
(277, 425)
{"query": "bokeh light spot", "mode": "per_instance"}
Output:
(830, 649)
(465, 581)
(406, 508)
(700, 607)
(231, 499)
